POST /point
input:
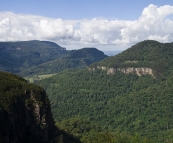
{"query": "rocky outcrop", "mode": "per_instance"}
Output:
(130, 61)
(91, 69)
(138, 71)
(25, 114)
(98, 67)
(42, 117)
(27, 121)
(102, 68)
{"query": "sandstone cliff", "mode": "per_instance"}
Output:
(130, 70)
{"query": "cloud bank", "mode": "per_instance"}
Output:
(155, 23)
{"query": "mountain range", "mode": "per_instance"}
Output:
(74, 59)
(43, 57)
(123, 98)
(129, 92)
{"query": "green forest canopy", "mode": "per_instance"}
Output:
(120, 102)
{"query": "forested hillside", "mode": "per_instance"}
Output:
(75, 59)
(25, 114)
(148, 54)
(120, 102)
(88, 132)
(16, 56)
(33, 58)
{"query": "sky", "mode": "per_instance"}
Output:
(109, 25)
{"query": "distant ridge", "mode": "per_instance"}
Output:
(146, 54)
(30, 57)
(111, 53)
(16, 56)
(74, 60)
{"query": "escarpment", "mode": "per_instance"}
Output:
(25, 113)
(138, 71)
(38, 117)
(129, 70)
(144, 58)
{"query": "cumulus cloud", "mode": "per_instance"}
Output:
(154, 23)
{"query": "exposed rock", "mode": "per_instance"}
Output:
(25, 114)
(138, 71)
(91, 69)
(103, 68)
(130, 61)
(98, 67)
(111, 71)
(27, 121)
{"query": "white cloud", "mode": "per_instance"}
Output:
(154, 23)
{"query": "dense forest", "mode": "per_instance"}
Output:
(120, 102)
(27, 58)
(17, 56)
(149, 53)
(88, 132)
(25, 113)
(25, 116)
(74, 59)
(89, 104)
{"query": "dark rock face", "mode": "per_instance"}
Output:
(25, 113)
(42, 116)
(26, 122)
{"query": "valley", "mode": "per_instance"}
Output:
(123, 98)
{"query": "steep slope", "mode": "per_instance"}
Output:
(146, 54)
(15, 56)
(76, 59)
(88, 132)
(25, 114)
(84, 129)
(123, 100)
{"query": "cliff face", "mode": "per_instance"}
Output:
(26, 120)
(25, 113)
(38, 118)
(138, 71)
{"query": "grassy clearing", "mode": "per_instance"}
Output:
(33, 78)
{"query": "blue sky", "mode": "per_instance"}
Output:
(104, 24)
(79, 9)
